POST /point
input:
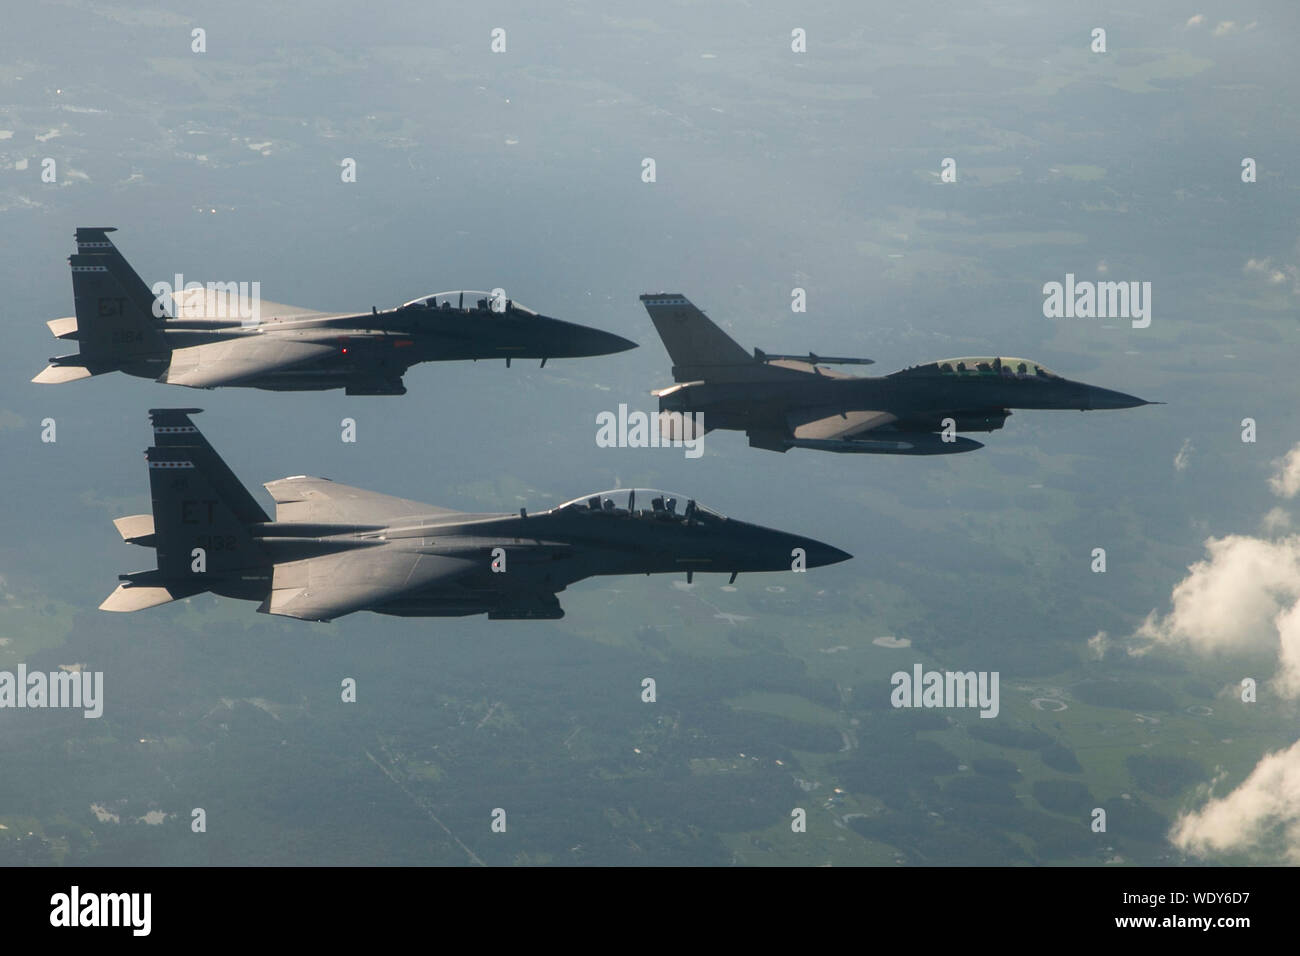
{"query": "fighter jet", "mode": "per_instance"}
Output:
(794, 401)
(332, 549)
(224, 334)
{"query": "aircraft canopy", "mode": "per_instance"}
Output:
(1004, 365)
(469, 300)
(648, 503)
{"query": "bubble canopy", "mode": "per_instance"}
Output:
(1003, 365)
(468, 300)
(641, 503)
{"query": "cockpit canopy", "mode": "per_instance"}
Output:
(469, 300)
(645, 503)
(1003, 365)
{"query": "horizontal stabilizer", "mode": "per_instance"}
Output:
(64, 328)
(58, 374)
(135, 597)
(136, 529)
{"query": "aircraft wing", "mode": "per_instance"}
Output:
(319, 500)
(222, 303)
(228, 363)
(827, 425)
(278, 310)
(321, 589)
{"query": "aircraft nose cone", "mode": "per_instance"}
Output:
(1105, 398)
(820, 555)
(756, 548)
(617, 343)
(586, 341)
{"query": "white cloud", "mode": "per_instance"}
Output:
(1195, 21)
(1277, 520)
(1184, 455)
(1225, 27)
(1288, 658)
(1285, 481)
(1261, 815)
(1243, 598)
(1274, 274)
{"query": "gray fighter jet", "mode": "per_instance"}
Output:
(794, 401)
(225, 334)
(332, 549)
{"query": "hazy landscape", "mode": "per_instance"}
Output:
(775, 170)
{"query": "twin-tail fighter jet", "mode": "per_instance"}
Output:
(331, 549)
(220, 335)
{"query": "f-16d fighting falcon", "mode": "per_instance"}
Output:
(219, 334)
(793, 401)
(332, 549)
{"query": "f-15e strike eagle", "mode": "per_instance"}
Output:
(214, 336)
(788, 401)
(332, 549)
